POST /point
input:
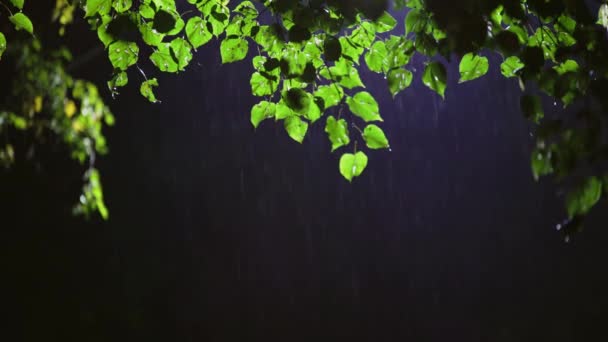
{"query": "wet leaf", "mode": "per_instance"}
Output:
(472, 67)
(435, 77)
(353, 165)
(337, 131)
(364, 106)
(374, 137)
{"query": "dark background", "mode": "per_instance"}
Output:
(218, 232)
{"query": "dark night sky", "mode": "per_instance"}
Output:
(222, 233)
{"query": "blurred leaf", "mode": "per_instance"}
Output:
(17, 3)
(22, 22)
(584, 197)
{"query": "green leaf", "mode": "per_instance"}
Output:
(197, 32)
(101, 7)
(120, 79)
(364, 106)
(580, 200)
(162, 58)
(181, 51)
(353, 165)
(233, 49)
(435, 77)
(146, 11)
(385, 23)
(344, 73)
(568, 66)
(17, 3)
(123, 54)
(149, 35)
(376, 57)
(337, 131)
(296, 128)
(122, 6)
(283, 111)
(261, 111)
(22, 22)
(511, 66)
(147, 90)
(364, 35)
(414, 21)
(472, 67)
(374, 137)
(261, 85)
(331, 94)
(399, 79)
(102, 31)
(2, 44)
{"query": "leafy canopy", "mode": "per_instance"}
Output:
(307, 55)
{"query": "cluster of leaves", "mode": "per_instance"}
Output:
(308, 53)
(45, 103)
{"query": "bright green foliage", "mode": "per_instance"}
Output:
(353, 165)
(364, 106)
(511, 66)
(147, 89)
(398, 80)
(337, 131)
(94, 7)
(296, 128)
(17, 3)
(261, 111)
(581, 199)
(123, 54)
(54, 106)
(180, 51)
(122, 6)
(163, 59)
(472, 67)
(435, 77)
(22, 22)
(376, 57)
(233, 49)
(197, 32)
(331, 95)
(374, 137)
